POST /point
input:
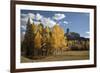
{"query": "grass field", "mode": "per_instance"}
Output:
(67, 55)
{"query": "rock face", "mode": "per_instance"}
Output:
(75, 42)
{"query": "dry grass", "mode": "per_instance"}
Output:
(67, 55)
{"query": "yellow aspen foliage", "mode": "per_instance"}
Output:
(37, 40)
(57, 38)
(47, 34)
(54, 41)
(40, 28)
(34, 28)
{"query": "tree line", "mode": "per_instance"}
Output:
(40, 40)
(44, 41)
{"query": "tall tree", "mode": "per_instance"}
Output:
(29, 38)
(37, 40)
(58, 41)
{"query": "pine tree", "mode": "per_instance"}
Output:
(29, 39)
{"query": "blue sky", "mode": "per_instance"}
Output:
(75, 21)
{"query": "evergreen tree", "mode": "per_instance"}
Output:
(29, 39)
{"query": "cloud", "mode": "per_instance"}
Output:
(24, 20)
(66, 22)
(48, 22)
(51, 23)
(31, 15)
(22, 36)
(28, 15)
(38, 16)
(87, 32)
(23, 27)
(36, 22)
(34, 18)
(25, 17)
(58, 16)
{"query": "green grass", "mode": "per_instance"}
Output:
(66, 56)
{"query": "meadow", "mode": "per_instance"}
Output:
(66, 56)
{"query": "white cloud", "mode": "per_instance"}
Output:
(25, 17)
(22, 36)
(65, 22)
(38, 16)
(36, 22)
(51, 23)
(45, 21)
(31, 15)
(58, 16)
(48, 22)
(23, 27)
(88, 32)
(24, 20)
